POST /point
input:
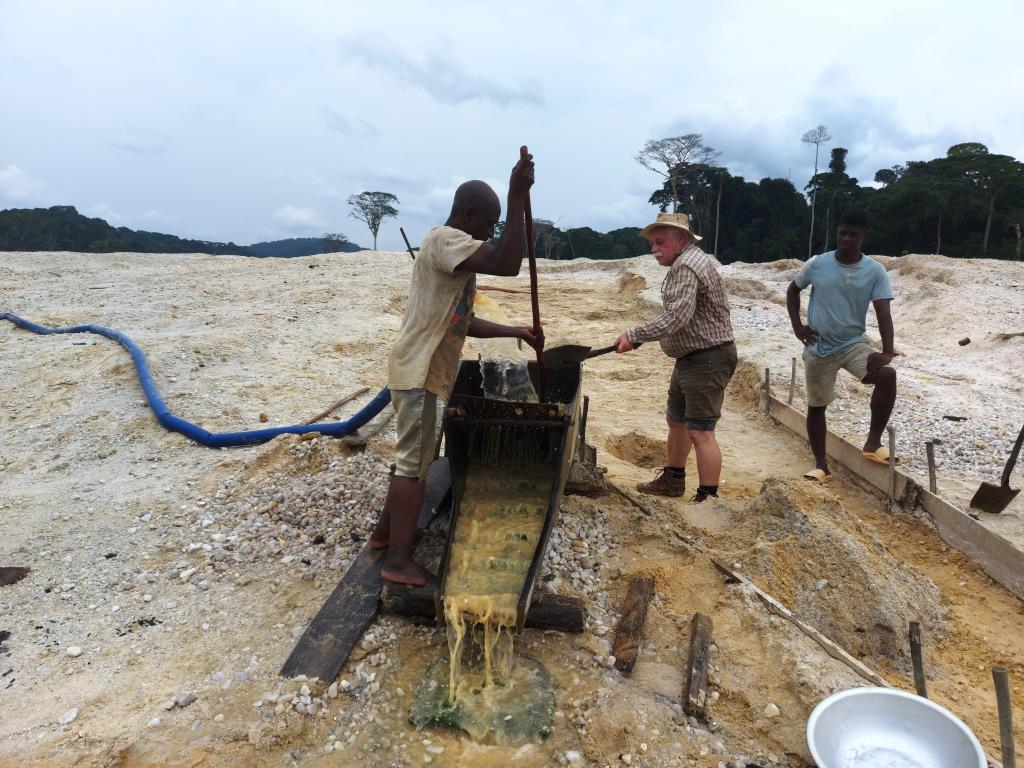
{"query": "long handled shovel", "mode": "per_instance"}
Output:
(995, 498)
(534, 300)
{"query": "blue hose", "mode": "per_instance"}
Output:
(187, 428)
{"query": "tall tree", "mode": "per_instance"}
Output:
(372, 208)
(990, 175)
(889, 176)
(816, 136)
(669, 157)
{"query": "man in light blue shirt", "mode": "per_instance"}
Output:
(843, 283)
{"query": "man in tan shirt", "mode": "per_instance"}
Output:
(424, 359)
(695, 329)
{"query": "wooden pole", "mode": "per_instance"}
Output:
(629, 632)
(767, 391)
(335, 406)
(534, 298)
(1002, 681)
(933, 484)
(792, 382)
(407, 243)
(917, 659)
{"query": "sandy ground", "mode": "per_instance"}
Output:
(109, 510)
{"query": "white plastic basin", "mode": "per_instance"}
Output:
(885, 728)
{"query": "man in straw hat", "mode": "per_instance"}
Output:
(694, 329)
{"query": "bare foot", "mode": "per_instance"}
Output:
(381, 540)
(413, 574)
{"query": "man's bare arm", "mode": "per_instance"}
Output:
(806, 334)
(886, 330)
(485, 329)
(506, 259)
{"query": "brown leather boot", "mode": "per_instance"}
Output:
(664, 485)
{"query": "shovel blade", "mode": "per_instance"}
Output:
(565, 355)
(993, 498)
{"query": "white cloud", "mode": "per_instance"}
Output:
(156, 217)
(105, 212)
(16, 185)
(293, 217)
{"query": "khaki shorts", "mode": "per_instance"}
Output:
(416, 424)
(697, 389)
(820, 372)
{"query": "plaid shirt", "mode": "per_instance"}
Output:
(696, 312)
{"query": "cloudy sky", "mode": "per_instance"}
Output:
(249, 121)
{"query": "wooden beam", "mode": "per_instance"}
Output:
(998, 557)
(565, 613)
(629, 632)
(695, 694)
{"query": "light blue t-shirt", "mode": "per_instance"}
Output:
(840, 296)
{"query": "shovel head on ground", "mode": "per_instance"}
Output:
(995, 498)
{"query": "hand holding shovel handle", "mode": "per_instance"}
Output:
(534, 300)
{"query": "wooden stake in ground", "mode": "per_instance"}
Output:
(1002, 681)
(695, 694)
(917, 659)
(929, 448)
(408, 245)
(338, 404)
(629, 632)
(792, 382)
(767, 391)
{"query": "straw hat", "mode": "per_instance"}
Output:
(674, 220)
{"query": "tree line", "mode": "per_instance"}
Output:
(968, 203)
(63, 228)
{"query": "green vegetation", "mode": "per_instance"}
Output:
(62, 228)
(969, 203)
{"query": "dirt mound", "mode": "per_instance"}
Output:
(929, 269)
(637, 449)
(746, 384)
(631, 285)
(747, 288)
(783, 264)
(834, 572)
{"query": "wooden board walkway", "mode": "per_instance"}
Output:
(352, 606)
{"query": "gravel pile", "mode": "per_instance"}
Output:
(310, 523)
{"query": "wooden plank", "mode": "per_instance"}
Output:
(565, 613)
(371, 428)
(629, 632)
(341, 621)
(999, 558)
(695, 694)
(352, 606)
(12, 574)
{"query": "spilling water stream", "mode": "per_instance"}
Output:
(484, 689)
